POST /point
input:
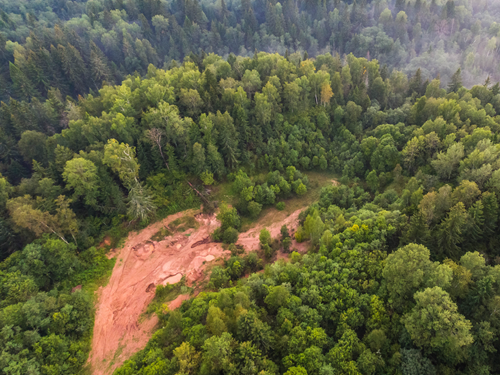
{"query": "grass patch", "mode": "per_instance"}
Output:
(222, 192)
(161, 234)
(269, 215)
(165, 294)
(180, 225)
(184, 223)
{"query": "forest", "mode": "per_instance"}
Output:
(117, 113)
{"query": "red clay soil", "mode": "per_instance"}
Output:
(141, 265)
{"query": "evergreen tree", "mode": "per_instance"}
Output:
(456, 81)
(450, 233)
(21, 85)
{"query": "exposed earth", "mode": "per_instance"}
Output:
(142, 264)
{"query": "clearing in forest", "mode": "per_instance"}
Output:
(162, 253)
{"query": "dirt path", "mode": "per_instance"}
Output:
(141, 265)
(250, 239)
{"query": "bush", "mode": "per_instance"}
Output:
(230, 236)
(236, 250)
(299, 235)
(218, 277)
(286, 242)
(216, 235)
(301, 189)
(207, 178)
(254, 209)
(280, 206)
(254, 262)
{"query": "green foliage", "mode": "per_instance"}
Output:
(377, 284)
(164, 294)
(436, 325)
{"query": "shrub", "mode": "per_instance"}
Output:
(280, 206)
(230, 235)
(218, 277)
(254, 209)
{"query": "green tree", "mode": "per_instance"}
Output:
(409, 269)
(81, 176)
(188, 358)
(372, 181)
(450, 232)
(436, 325)
(25, 214)
(32, 146)
(217, 352)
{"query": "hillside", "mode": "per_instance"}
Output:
(387, 180)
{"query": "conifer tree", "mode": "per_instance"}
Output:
(450, 232)
(21, 85)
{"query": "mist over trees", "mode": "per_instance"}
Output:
(74, 46)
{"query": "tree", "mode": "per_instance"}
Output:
(408, 269)
(446, 163)
(217, 351)
(313, 227)
(413, 363)
(155, 136)
(456, 81)
(191, 99)
(140, 202)
(265, 242)
(490, 212)
(120, 157)
(215, 321)
(188, 358)
(296, 370)
(436, 325)
(291, 94)
(81, 176)
(451, 230)
(32, 146)
(25, 214)
(418, 230)
(301, 189)
(254, 209)
(277, 297)
(372, 181)
(23, 87)
(326, 94)
(251, 82)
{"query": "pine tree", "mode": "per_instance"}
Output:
(417, 231)
(450, 232)
(490, 213)
(415, 84)
(145, 27)
(74, 67)
(99, 68)
(456, 81)
(23, 88)
(475, 222)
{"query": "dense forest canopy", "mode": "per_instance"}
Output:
(76, 45)
(116, 113)
(402, 274)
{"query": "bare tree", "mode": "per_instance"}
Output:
(155, 135)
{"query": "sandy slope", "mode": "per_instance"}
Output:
(141, 265)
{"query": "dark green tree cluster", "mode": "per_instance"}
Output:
(252, 197)
(45, 327)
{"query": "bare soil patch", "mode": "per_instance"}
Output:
(144, 262)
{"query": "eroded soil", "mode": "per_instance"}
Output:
(141, 265)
